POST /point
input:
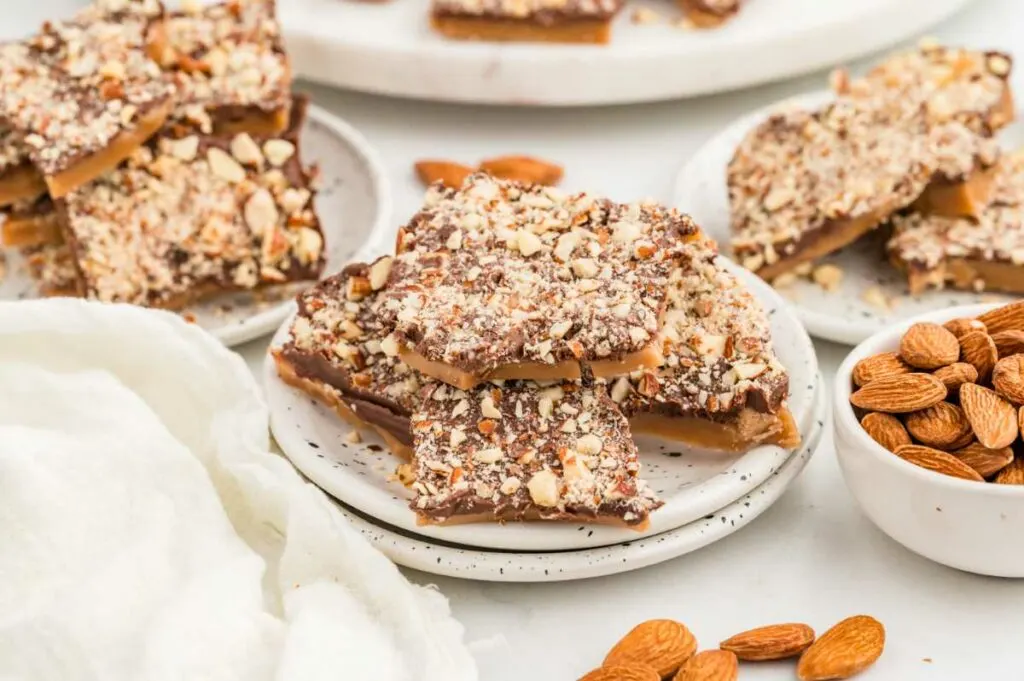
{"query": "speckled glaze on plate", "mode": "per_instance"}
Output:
(442, 558)
(842, 315)
(692, 482)
(354, 205)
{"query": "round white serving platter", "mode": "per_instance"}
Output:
(691, 482)
(389, 48)
(844, 315)
(450, 560)
(354, 206)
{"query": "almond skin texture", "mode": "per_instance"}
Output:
(663, 645)
(1006, 318)
(710, 665)
(962, 326)
(987, 462)
(523, 169)
(978, 348)
(955, 375)
(929, 346)
(993, 419)
(448, 173)
(846, 649)
(1008, 378)
(879, 366)
(886, 430)
(1013, 474)
(900, 394)
(774, 642)
(635, 673)
(1009, 342)
(941, 426)
(938, 462)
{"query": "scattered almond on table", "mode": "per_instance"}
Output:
(951, 399)
(662, 650)
(524, 169)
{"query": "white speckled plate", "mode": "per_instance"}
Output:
(354, 206)
(843, 315)
(442, 558)
(692, 483)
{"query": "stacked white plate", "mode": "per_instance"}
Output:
(708, 495)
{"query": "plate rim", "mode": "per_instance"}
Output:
(269, 320)
(663, 547)
(715, 492)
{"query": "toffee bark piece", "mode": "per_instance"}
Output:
(31, 223)
(709, 13)
(982, 254)
(562, 21)
(19, 180)
(721, 386)
(498, 280)
(83, 94)
(192, 217)
(53, 270)
(804, 184)
(525, 452)
(230, 67)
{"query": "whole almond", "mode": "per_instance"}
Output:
(879, 366)
(1008, 378)
(886, 430)
(941, 426)
(956, 375)
(900, 394)
(962, 326)
(1009, 342)
(987, 462)
(773, 642)
(710, 665)
(938, 462)
(993, 419)
(929, 346)
(523, 169)
(978, 349)
(846, 649)
(1013, 474)
(448, 173)
(1006, 318)
(638, 672)
(661, 644)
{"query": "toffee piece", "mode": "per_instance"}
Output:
(562, 21)
(229, 64)
(196, 216)
(709, 13)
(31, 223)
(83, 94)
(20, 182)
(498, 280)
(982, 254)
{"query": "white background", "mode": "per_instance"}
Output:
(812, 557)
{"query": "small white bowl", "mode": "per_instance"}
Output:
(966, 525)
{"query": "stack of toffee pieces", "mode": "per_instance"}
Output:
(518, 337)
(151, 157)
(907, 149)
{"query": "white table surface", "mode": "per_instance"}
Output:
(813, 557)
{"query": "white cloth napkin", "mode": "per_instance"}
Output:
(148, 534)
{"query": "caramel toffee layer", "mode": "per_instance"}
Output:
(230, 67)
(982, 254)
(543, 13)
(83, 94)
(803, 184)
(31, 223)
(709, 13)
(190, 217)
(499, 280)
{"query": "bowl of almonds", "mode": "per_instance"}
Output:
(928, 421)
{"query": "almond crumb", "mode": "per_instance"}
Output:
(875, 297)
(353, 437)
(645, 15)
(828, 277)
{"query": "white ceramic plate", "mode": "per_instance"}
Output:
(842, 315)
(354, 206)
(389, 48)
(451, 560)
(692, 483)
